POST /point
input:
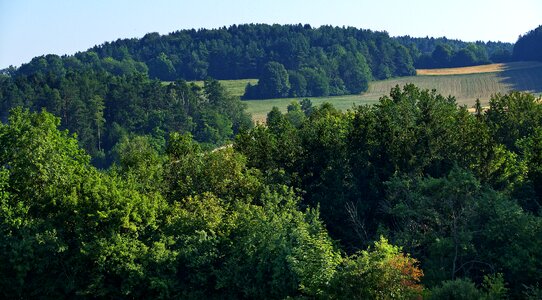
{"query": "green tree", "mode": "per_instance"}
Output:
(442, 55)
(295, 114)
(96, 109)
(317, 82)
(460, 228)
(298, 84)
(531, 149)
(513, 116)
(161, 67)
(273, 81)
(277, 251)
(381, 272)
(355, 73)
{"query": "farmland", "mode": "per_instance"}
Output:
(466, 84)
(235, 87)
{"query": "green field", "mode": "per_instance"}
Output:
(260, 108)
(465, 87)
(235, 87)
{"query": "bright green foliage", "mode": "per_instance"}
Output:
(196, 229)
(382, 272)
(513, 116)
(494, 287)
(222, 172)
(57, 211)
(33, 150)
(277, 250)
(139, 161)
(68, 230)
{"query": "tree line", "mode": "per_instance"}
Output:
(432, 53)
(412, 197)
(529, 45)
(318, 61)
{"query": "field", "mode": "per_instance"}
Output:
(466, 84)
(235, 87)
(260, 108)
(481, 69)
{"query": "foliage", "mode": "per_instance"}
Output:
(380, 273)
(104, 109)
(284, 211)
(463, 288)
(273, 83)
(529, 45)
(436, 179)
(459, 53)
(455, 290)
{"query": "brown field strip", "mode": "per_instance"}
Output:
(480, 69)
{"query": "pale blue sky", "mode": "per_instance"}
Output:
(29, 28)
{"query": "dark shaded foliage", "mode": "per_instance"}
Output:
(529, 46)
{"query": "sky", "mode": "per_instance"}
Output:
(30, 28)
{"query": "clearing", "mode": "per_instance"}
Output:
(465, 84)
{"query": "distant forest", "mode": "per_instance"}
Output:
(529, 46)
(289, 60)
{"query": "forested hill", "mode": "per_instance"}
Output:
(241, 51)
(529, 46)
(317, 61)
(441, 52)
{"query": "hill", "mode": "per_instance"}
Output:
(529, 45)
(466, 84)
(313, 61)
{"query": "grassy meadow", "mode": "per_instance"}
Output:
(235, 87)
(467, 84)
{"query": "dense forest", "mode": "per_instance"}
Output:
(104, 109)
(429, 53)
(529, 45)
(303, 61)
(412, 197)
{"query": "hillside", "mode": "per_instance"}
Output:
(466, 84)
(529, 45)
(307, 61)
